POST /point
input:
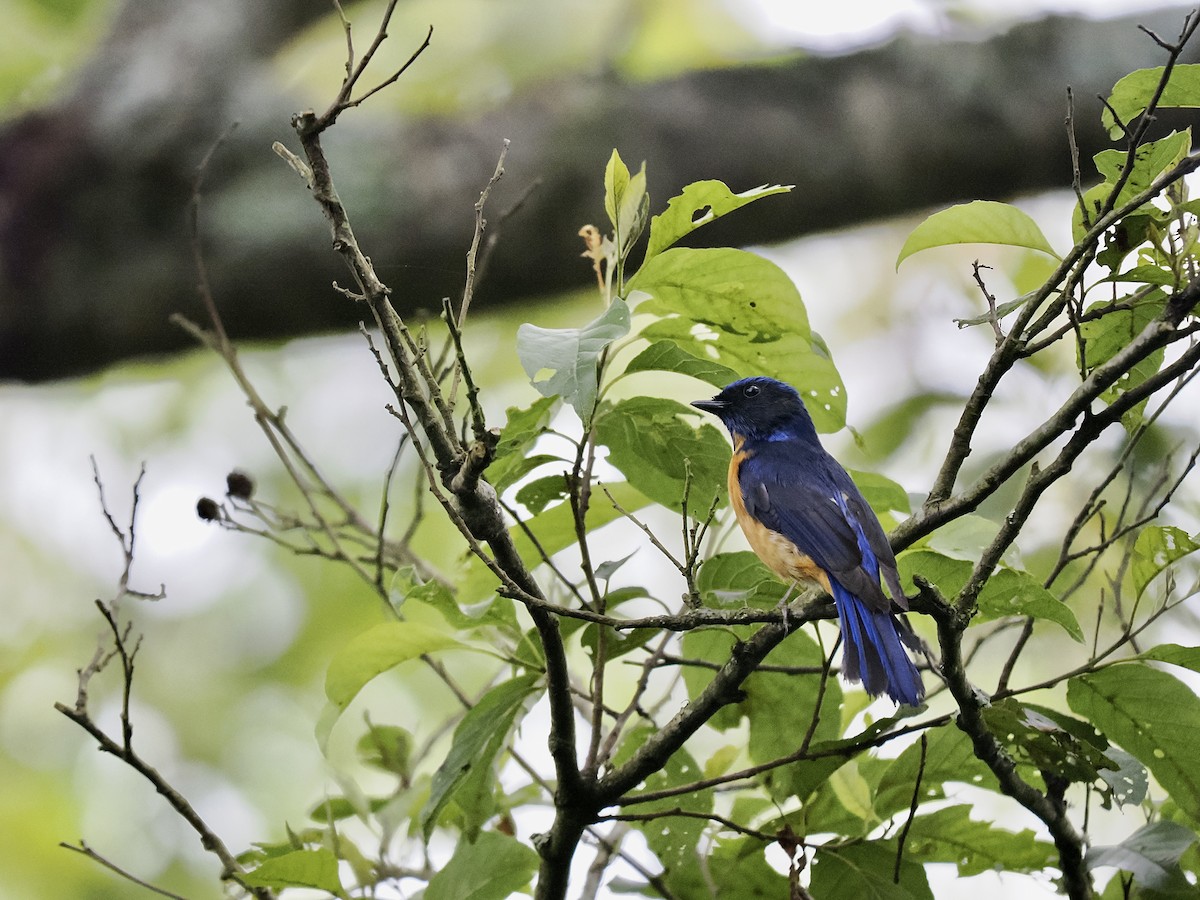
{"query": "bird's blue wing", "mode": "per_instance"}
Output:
(804, 499)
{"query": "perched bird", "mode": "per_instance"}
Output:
(806, 520)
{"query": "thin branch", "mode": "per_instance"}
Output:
(939, 508)
(912, 808)
(83, 849)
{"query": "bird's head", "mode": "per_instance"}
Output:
(760, 409)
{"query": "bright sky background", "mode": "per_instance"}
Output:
(836, 26)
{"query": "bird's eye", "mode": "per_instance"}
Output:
(751, 390)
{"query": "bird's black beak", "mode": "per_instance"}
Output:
(713, 406)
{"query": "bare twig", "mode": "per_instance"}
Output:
(83, 849)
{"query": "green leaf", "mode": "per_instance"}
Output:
(300, 868)
(387, 747)
(854, 792)
(375, 651)
(650, 441)
(521, 429)
(951, 836)
(1152, 715)
(1002, 310)
(743, 312)
(1150, 161)
(1035, 739)
(1131, 94)
(883, 494)
(737, 579)
(780, 707)
(541, 492)
(1151, 854)
(714, 646)
(1007, 593)
(864, 872)
(1157, 548)
(567, 359)
(1147, 275)
(417, 599)
(732, 868)
(334, 809)
(468, 767)
(616, 180)
(1107, 335)
(1013, 593)
(667, 356)
(947, 573)
(965, 538)
(700, 203)
(490, 868)
(977, 222)
(626, 202)
(1176, 655)
(674, 838)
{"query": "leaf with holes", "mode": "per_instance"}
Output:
(1156, 549)
(1152, 715)
(742, 311)
(1131, 94)
(700, 203)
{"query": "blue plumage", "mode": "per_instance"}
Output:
(806, 519)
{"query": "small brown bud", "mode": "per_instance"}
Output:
(208, 509)
(240, 485)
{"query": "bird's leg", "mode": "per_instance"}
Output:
(783, 604)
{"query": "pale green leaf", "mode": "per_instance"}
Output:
(616, 180)
(977, 222)
(376, 650)
(1131, 94)
(1157, 548)
(563, 362)
(1013, 593)
(300, 868)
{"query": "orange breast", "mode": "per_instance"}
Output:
(779, 554)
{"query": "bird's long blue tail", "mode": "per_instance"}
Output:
(873, 651)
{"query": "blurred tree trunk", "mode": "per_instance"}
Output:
(94, 246)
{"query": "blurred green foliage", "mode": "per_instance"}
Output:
(41, 42)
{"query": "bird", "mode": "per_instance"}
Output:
(807, 521)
